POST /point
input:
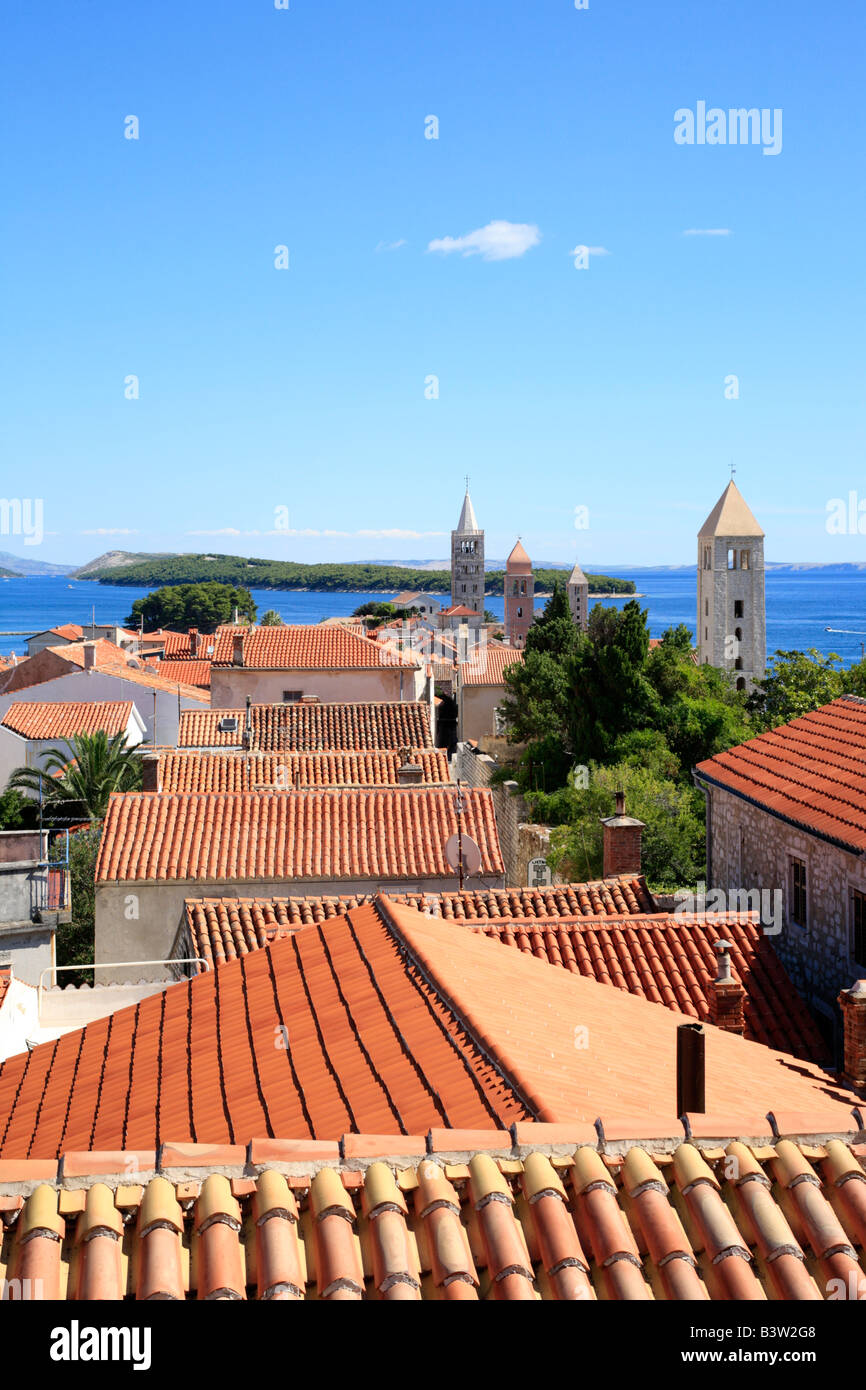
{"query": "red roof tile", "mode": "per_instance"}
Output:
(71, 631)
(5, 981)
(303, 647)
(312, 727)
(650, 1222)
(488, 664)
(385, 1022)
(63, 719)
(187, 670)
(811, 772)
(221, 772)
(351, 833)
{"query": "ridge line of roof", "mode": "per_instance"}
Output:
(533, 1105)
(779, 815)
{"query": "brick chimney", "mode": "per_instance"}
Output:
(89, 650)
(150, 772)
(238, 649)
(852, 1002)
(196, 640)
(409, 774)
(621, 845)
(726, 995)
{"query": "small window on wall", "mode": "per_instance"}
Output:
(858, 928)
(520, 612)
(706, 607)
(744, 559)
(738, 608)
(291, 697)
(708, 557)
(798, 906)
(732, 559)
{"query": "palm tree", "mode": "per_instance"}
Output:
(78, 782)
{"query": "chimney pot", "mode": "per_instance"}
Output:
(726, 996)
(852, 1002)
(620, 803)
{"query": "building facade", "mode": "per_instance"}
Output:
(519, 596)
(467, 561)
(732, 630)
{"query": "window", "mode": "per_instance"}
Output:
(291, 697)
(732, 559)
(858, 927)
(520, 612)
(738, 608)
(798, 907)
(523, 586)
(706, 607)
(706, 634)
(707, 557)
(744, 559)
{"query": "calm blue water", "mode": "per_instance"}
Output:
(799, 607)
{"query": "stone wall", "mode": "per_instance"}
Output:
(519, 839)
(747, 848)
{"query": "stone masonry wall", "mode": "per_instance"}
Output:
(520, 840)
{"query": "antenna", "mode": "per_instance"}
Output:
(461, 852)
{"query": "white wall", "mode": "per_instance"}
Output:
(230, 685)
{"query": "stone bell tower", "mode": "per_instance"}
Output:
(467, 560)
(519, 596)
(732, 631)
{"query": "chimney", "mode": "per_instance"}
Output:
(247, 735)
(150, 772)
(235, 616)
(89, 649)
(852, 1002)
(691, 1072)
(621, 844)
(238, 649)
(195, 642)
(726, 995)
(409, 774)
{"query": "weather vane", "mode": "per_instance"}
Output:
(733, 471)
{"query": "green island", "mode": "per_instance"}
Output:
(286, 574)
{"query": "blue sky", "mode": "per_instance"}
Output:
(304, 389)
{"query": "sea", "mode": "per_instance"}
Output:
(805, 609)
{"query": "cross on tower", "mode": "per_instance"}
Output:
(733, 471)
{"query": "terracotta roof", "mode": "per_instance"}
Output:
(71, 631)
(303, 647)
(811, 772)
(670, 960)
(354, 832)
(533, 1212)
(313, 728)
(229, 772)
(577, 575)
(390, 1022)
(154, 681)
(224, 928)
(63, 719)
(518, 558)
(458, 610)
(487, 665)
(189, 671)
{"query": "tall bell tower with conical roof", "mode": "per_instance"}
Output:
(732, 628)
(519, 596)
(467, 559)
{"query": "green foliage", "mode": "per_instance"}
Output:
(182, 606)
(75, 938)
(539, 701)
(76, 781)
(612, 693)
(673, 846)
(239, 570)
(795, 684)
(18, 812)
(271, 619)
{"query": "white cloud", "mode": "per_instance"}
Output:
(498, 241)
(391, 245)
(110, 531)
(708, 231)
(593, 250)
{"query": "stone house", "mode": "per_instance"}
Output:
(786, 816)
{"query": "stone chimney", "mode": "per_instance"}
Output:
(726, 995)
(150, 772)
(89, 649)
(852, 1002)
(621, 844)
(247, 735)
(409, 774)
(196, 641)
(238, 649)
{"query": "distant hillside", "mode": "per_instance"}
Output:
(160, 570)
(18, 566)
(116, 559)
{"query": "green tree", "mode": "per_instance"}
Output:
(271, 619)
(612, 695)
(75, 783)
(539, 698)
(181, 606)
(75, 938)
(672, 842)
(795, 684)
(17, 812)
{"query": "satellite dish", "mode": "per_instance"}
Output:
(471, 855)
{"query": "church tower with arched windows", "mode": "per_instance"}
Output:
(467, 560)
(519, 596)
(732, 631)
